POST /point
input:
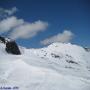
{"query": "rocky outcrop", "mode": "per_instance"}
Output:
(11, 46)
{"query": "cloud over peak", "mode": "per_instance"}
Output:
(19, 28)
(64, 37)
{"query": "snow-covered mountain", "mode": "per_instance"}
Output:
(56, 67)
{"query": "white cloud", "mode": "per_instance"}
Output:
(21, 29)
(11, 11)
(8, 12)
(28, 30)
(10, 23)
(64, 37)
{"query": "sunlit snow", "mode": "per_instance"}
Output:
(56, 67)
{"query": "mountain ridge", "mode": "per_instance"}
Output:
(58, 66)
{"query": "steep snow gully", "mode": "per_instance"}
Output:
(56, 67)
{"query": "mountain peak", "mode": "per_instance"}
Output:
(53, 66)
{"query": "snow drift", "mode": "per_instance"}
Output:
(56, 67)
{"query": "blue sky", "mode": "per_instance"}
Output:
(73, 15)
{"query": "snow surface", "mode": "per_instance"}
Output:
(56, 67)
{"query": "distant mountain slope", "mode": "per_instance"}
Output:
(56, 67)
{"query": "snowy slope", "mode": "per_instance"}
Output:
(56, 67)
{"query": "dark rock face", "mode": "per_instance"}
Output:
(11, 46)
(55, 56)
(70, 61)
(87, 49)
(2, 39)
